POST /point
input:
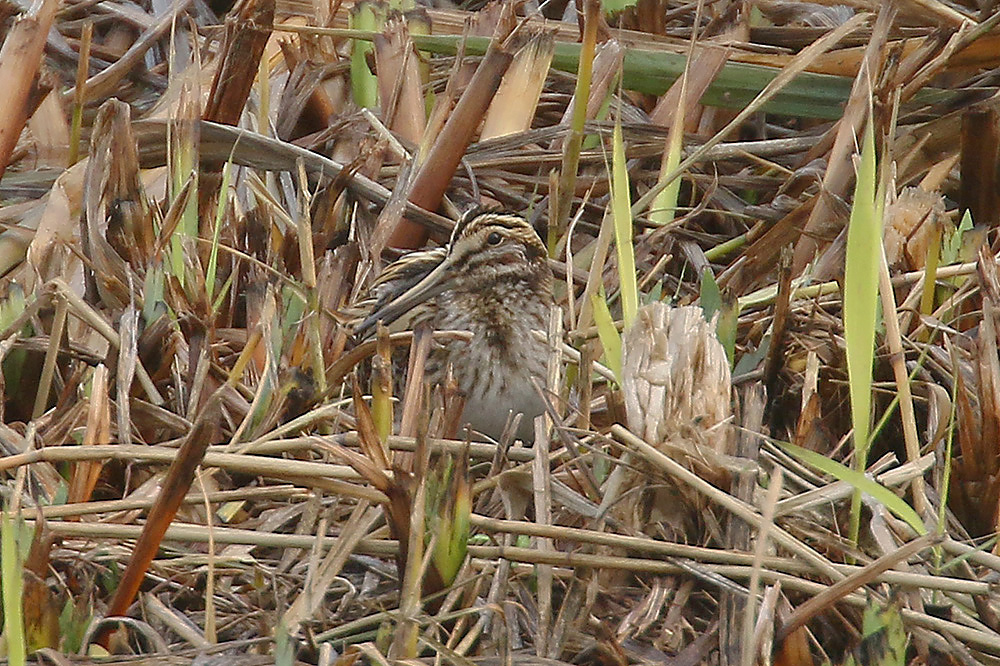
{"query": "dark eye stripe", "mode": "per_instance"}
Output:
(482, 224)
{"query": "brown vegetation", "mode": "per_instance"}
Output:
(195, 197)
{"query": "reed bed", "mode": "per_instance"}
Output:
(773, 405)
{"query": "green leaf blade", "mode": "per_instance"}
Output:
(864, 243)
(860, 482)
(622, 209)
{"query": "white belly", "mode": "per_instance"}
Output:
(488, 411)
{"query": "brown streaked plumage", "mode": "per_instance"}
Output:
(493, 280)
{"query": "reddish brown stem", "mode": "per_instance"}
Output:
(434, 175)
(175, 487)
(20, 60)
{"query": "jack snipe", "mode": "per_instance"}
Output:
(492, 280)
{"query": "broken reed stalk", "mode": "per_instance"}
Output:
(175, 488)
(248, 27)
(434, 174)
(978, 166)
(20, 60)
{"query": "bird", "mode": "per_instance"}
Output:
(492, 279)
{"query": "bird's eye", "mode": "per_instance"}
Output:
(494, 238)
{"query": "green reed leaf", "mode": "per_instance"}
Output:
(861, 483)
(864, 243)
(608, 333)
(621, 206)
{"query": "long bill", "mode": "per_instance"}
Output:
(433, 284)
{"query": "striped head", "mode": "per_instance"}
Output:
(494, 240)
(487, 250)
